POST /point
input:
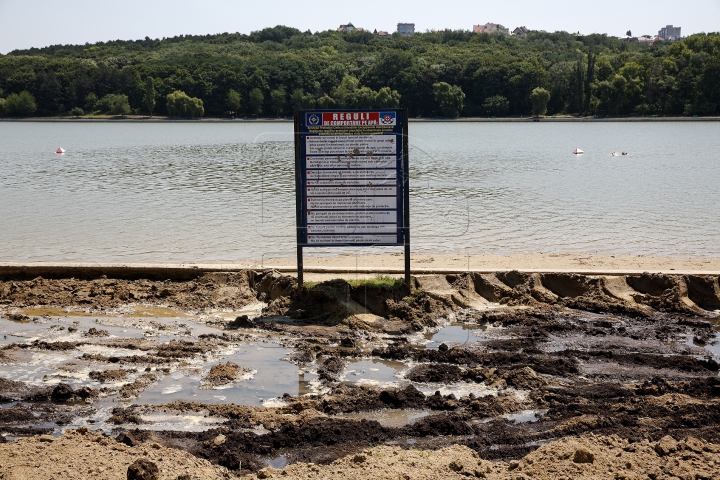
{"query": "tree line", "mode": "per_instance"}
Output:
(274, 71)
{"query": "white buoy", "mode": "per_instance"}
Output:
(59, 150)
(577, 151)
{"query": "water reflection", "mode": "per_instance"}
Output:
(454, 335)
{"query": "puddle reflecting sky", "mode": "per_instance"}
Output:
(712, 347)
(455, 334)
(273, 378)
(374, 372)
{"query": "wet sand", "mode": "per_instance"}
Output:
(482, 375)
(351, 265)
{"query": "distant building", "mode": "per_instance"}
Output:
(656, 39)
(521, 31)
(349, 28)
(670, 33)
(381, 33)
(629, 39)
(406, 29)
(489, 28)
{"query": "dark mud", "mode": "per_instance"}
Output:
(213, 290)
(224, 374)
(561, 355)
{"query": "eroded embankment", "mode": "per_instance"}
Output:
(332, 302)
(546, 356)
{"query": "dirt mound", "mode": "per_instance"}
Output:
(546, 364)
(211, 290)
(637, 295)
(225, 374)
(331, 369)
(612, 457)
(524, 378)
(81, 454)
(583, 457)
(108, 376)
(381, 308)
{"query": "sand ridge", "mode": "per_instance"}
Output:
(82, 454)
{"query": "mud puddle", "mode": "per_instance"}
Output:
(389, 418)
(456, 334)
(375, 373)
(269, 377)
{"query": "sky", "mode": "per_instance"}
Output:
(39, 23)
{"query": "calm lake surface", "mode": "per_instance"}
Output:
(143, 192)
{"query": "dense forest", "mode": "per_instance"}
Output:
(271, 72)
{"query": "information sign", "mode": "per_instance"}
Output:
(351, 178)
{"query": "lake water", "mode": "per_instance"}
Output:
(198, 192)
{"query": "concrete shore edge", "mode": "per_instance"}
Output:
(189, 271)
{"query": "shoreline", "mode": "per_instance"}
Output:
(411, 120)
(368, 266)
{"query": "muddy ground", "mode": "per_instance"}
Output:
(548, 359)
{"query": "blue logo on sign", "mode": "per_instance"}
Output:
(313, 119)
(387, 118)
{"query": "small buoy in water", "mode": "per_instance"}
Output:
(59, 150)
(577, 151)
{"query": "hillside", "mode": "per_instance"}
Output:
(271, 72)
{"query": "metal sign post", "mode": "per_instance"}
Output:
(351, 180)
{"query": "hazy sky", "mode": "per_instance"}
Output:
(38, 23)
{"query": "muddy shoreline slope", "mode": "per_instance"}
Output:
(486, 375)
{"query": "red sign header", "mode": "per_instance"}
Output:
(331, 119)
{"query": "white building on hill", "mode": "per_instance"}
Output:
(670, 33)
(406, 29)
(490, 27)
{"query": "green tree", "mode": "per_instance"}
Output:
(149, 98)
(331, 77)
(2, 107)
(233, 101)
(365, 97)
(91, 101)
(496, 106)
(113, 104)
(255, 101)
(325, 102)
(450, 98)
(299, 100)
(579, 80)
(604, 69)
(179, 104)
(76, 112)
(277, 101)
(628, 33)
(611, 94)
(344, 94)
(387, 98)
(539, 98)
(589, 78)
(20, 104)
